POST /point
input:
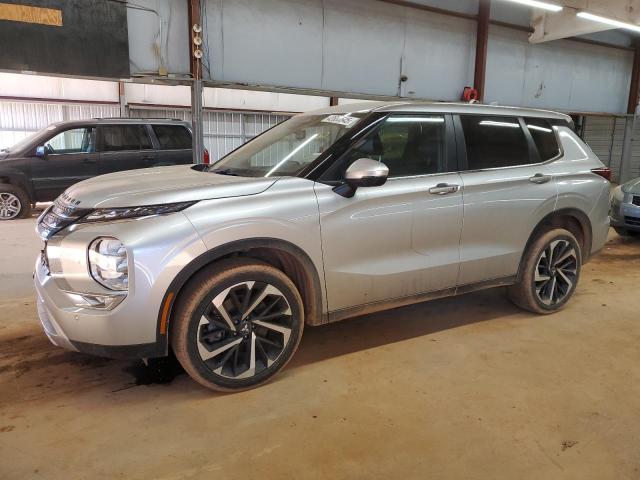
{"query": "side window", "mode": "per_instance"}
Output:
(494, 142)
(75, 140)
(172, 137)
(117, 138)
(407, 144)
(544, 137)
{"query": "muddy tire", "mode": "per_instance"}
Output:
(14, 202)
(549, 273)
(237, 324)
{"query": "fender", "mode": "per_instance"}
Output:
(209, 257)
(17, 177)
(548, 220)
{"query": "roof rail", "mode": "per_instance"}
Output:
(140, 118)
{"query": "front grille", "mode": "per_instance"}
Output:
(61, 214)
(632, 221)
(635, 200)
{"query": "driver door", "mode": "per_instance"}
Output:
(70, 157)
(400, 239)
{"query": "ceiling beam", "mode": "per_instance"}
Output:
(554, 26)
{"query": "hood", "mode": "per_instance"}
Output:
(151, 186)
(632, 187)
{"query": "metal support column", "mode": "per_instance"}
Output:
(195, 29)
(122, 100)
(482, 40)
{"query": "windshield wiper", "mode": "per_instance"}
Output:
(225, 171)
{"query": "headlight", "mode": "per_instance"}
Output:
(109, 263)
(108, 214)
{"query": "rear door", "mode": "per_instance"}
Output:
(508, 189)
(173, 143)
(124, 147)
(70, 158)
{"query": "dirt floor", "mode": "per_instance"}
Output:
(468, 387)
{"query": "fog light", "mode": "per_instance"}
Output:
(109, 264)
(101, 302)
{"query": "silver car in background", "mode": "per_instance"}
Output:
(625, 208)
(330, 214)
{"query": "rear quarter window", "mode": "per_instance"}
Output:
(544, 137)
(172, 137)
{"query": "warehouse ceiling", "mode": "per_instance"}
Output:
(556, 25)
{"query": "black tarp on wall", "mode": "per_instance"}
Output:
(92, 40)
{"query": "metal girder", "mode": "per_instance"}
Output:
(553, 26)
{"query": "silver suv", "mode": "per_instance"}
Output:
(328, 215)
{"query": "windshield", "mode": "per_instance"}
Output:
(288, 147)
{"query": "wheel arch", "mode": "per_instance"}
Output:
(571, 219)
(281, 254)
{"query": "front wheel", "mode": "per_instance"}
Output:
(14, 202)
(237, 324)
(550, 272)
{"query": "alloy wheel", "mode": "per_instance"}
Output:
(10, 206)
(556, 272)
(244, 330)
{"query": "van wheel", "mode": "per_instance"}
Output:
(14, 202)
(550, 272)
(237, 324)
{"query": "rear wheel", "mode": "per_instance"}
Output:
(14, 202)
(550, 272)
(237, 324)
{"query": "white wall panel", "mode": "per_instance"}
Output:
(59, 88)
(563, 74)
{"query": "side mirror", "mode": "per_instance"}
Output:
(41, 151)
(364, 172)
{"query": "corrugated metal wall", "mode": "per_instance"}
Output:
(19, 119)
(605, 136)
(223, 131)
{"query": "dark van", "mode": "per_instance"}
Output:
(43, 165)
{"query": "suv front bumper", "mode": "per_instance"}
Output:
(86, 329)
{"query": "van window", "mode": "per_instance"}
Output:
(544, 137)
(75, 140)
(408, 144)
(117, 138)
(172, 137)
(494, 142)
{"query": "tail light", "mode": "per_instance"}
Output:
(205, 157)
(604, 172)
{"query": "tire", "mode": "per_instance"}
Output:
(623, 232)
(209, 318)
(14, 202)
(542, 287)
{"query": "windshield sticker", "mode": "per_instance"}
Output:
(345, 120)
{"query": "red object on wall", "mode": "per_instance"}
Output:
(469, 94)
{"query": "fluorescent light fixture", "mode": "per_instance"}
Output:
(416, 119)
(540, 129)
(552, 7)
(293, 152)
(493, 123)
(608, 21)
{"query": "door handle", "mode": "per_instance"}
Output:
(444, 189)
(540, 178)
(88, 160)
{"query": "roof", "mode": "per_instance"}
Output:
(441, 107)
(120, 120)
